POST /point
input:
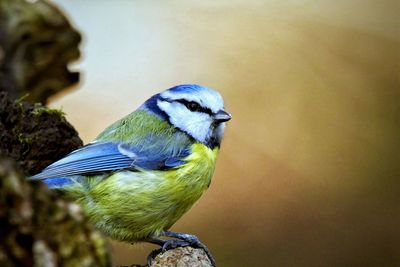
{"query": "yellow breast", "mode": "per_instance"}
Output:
(134, 206)
(199, 167)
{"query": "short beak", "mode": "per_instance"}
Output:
(222, 116)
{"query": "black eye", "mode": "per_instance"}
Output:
(193, 106)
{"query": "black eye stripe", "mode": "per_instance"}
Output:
(194, 106)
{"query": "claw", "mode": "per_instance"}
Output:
(152, 256)
(184, 240)
(171, 244)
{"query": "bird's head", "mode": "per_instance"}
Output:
(193, 109)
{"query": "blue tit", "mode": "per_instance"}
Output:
(143, 172)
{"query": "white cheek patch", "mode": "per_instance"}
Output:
(196, 124)
(219, 131)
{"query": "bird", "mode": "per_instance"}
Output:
(146, 170)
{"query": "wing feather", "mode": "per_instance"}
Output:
(100, 157)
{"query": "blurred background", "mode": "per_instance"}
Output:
(309, 172)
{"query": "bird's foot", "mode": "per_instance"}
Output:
(182, 240)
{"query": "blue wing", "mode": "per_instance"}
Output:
(101, 157)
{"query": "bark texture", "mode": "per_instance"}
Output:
(37, 43)
(38, 228)
(34, 135)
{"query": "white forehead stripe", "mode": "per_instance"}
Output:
(205, 97)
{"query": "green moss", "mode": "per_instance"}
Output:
(39, 110)
(22, 99)
(23, 139)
